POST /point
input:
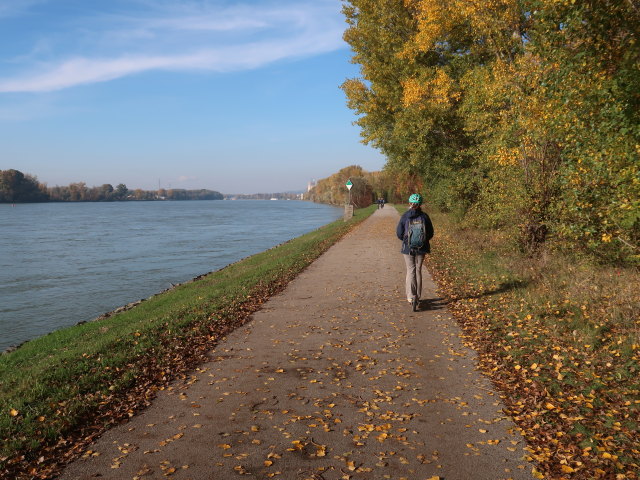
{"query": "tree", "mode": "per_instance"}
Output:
(520, 114)
(78, 192)
(333, 190)
(106, 192)
(18, 187)
(361, 192)
(121, 192)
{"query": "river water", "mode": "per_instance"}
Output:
(62, 263)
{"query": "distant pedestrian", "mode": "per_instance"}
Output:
(415, 230)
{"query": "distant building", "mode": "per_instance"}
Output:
(310, 185)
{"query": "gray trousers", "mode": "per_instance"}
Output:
(413, 282)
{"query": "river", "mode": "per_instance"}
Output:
(62, 263)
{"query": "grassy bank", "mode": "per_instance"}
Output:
(60, 391)
(560, 338)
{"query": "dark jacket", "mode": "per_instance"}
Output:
(402, 230)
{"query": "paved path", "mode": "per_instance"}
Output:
(336, 378)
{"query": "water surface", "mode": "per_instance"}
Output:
(62, 263)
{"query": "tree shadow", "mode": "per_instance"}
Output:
(502, 288)
(440, 303)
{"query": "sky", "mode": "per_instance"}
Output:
(233, 96)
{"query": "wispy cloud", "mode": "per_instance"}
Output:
(13, 8)
(186, 178)
(192, 38)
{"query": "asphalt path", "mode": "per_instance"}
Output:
(335, 378)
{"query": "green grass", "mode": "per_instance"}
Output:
(560, 337)
(59, 387)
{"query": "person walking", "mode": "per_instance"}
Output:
(415, 230)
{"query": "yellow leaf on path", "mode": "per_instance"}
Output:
(566, 469)
(549, 406)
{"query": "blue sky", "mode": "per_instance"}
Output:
(235, 96)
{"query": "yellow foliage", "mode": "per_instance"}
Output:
(505, 156)
(437, 91)
(413, 92)
(487, 19)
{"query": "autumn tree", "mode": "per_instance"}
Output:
(592, 87)
(333, 190)
(15, 186)
(521, 114)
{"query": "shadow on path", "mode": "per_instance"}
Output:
(504, 287)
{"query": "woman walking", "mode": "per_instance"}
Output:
(415, 230)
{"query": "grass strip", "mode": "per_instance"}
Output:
(59, 392)
(560, 338)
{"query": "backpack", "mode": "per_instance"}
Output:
(417, 235)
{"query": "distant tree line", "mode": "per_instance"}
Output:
(17, 187)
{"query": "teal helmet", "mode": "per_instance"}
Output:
(416, 198)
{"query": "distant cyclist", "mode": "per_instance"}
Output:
(415, 230)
